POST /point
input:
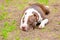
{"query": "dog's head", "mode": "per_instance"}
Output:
(29, 20)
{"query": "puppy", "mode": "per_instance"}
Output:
(34, 15)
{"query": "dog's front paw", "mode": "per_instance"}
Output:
(41, 26)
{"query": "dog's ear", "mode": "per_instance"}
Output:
(47, 10)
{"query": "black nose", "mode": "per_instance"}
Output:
(23, 28)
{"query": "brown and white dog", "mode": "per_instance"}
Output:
(34, 15)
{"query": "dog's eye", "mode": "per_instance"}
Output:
(34, 14)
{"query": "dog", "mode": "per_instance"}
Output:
(34, 15)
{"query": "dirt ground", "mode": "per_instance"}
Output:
(50, 32)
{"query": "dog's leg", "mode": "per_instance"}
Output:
(43, 23)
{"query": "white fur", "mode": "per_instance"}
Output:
(29, 13)
(43, 23)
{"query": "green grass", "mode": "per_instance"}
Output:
(26, 38)
(55, 35)
(3, 15)
(8, 28)
(43, 2)
(20, 6)
(45, 30)
(37, 38)
(52, 1)
(17, 35)
(2, 7)
(25, 1)
(59, 23)
(7, 2)
(17, 38)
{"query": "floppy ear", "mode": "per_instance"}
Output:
(47, 10)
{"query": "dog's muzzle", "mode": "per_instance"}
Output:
(24, 27)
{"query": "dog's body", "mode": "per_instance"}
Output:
(33, 15)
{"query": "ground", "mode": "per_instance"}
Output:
(10, 15)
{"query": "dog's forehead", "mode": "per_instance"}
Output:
(29, 11)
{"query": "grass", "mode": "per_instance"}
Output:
(17, 38)
(2, 7)
(8, 28)
(59, 23)
(56, 35)
(7, 2)
(26, 38)
(42, 1)
(25, 1)
(45, 30)
(17, 35)
(3, 15)
(52, 1)
(37, 38)
(20, 6)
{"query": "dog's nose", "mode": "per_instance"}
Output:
(23, 28)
